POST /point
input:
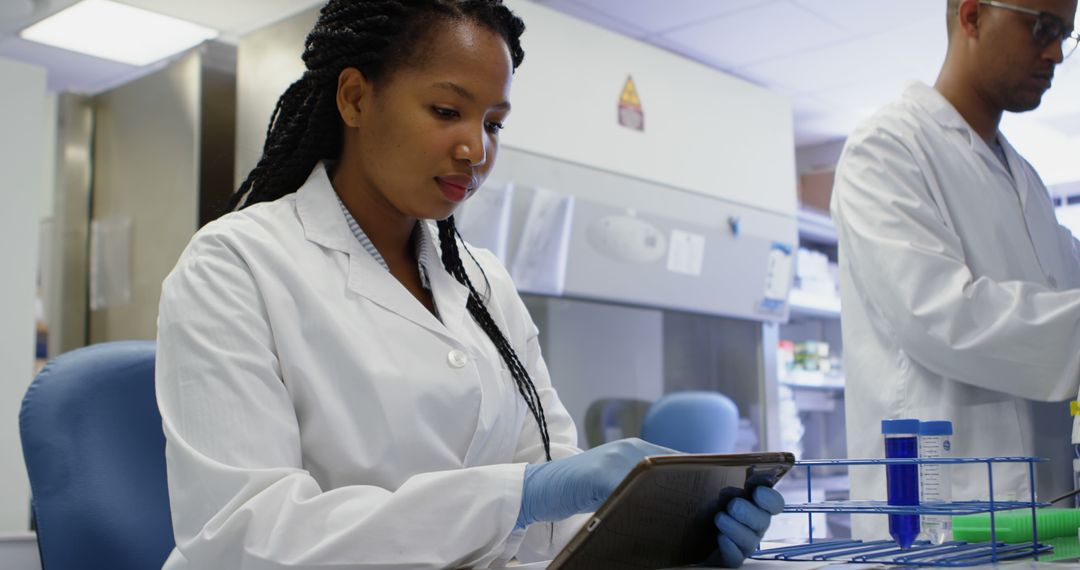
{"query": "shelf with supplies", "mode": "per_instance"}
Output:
(814, 293)
(811, 304)
(808, 380)
(950, 553)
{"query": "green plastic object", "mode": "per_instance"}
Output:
(1066, 549)
(1015, 526)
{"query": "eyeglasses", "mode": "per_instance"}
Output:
(1048, 27)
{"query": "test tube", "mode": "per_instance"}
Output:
(935, 480)
(1076, 474)
(902, 481)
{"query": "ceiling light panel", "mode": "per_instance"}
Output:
(117, 32)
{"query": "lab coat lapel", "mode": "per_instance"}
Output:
(491, 442)
(319, 213)
(323, 222)
(949, 118)
(450, 295)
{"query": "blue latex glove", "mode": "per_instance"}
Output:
(581, 483)
(741, 526)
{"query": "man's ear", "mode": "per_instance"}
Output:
(352, 90)
(969, 13)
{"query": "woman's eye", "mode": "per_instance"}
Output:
(445, 113)
(494, 127)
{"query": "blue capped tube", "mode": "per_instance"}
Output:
(902, 481)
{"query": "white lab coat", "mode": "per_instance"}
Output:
(318, 416)
(959, 293)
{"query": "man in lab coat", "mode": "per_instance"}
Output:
(960, 291)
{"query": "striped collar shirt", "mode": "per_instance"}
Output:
(365, 242)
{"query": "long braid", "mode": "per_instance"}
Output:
(305, 126)
(376, 37)
(452, 261)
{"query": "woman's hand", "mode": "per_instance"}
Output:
(581, 483)
(741, 526)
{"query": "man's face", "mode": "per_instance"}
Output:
(1015, 68)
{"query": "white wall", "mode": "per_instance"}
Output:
(147, 129)
(48, 162)
(267, 62)
(705, 131)
(22, 154)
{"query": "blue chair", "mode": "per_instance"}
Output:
(95, 454)
(692, 422)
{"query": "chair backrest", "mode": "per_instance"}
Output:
(95, 455)
(692, 422)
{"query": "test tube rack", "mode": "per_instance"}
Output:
(922, 553)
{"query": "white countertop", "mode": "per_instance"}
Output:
(790, 565)
(795, 565)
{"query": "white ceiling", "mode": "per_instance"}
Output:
(837, 60)
(69, 71)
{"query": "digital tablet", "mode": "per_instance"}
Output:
(661, 515)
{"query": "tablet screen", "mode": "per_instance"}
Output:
(662, 514)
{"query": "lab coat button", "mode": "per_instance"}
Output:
(457, 359)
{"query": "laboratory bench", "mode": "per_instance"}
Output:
(792, 565)
(18, 551)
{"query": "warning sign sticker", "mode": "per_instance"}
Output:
(631, 114)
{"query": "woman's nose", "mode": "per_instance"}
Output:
(473, 151)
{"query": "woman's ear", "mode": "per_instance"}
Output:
(352, 90)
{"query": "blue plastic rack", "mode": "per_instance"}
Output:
(922, 553)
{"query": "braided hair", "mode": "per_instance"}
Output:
(375, 37)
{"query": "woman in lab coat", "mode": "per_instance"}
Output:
(339, 386)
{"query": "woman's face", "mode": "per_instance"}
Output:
(426, 138)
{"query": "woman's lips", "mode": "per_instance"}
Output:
(452, 189)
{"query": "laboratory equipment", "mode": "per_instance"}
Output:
(1076, 480)
(935, 480)
(1015, 526)
(1076, 472)
(627, 238)
(902, 480)
(953, 553)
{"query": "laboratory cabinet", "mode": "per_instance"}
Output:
(625, 313)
